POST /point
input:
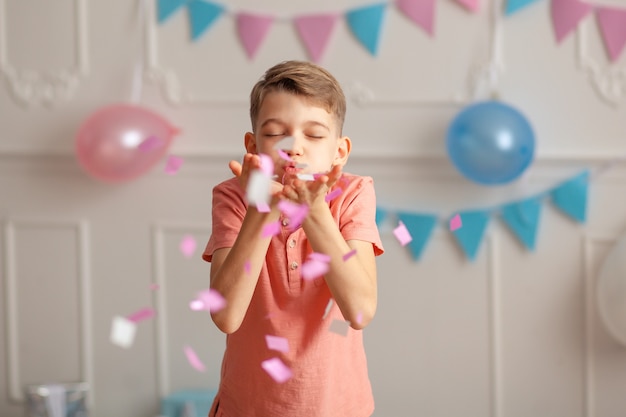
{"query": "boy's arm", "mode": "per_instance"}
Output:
(351, 282)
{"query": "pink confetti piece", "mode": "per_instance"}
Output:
(296, 213)
(313, 268)
(193, 359)
(277, 343)
(271, 229)
(262, 207)
(340, 327)
(187, 246)
(402, 234)
(277, 370)
(359, 318)
(122, 332)
(149, 144)
(284, 155)
(267, 165)
(143, 314)
(333, 194)
(154, 287)
(173, 164)
(247, 266)
(196, 305)
(349, 255)
(455, 223)
(212, 299)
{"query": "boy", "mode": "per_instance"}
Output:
(260, 277)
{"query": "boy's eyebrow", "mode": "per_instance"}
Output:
(280, 122)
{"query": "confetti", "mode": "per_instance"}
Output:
(173, 164)
(402, 234)
(277, 370)
(359, 318)
(258, 190)
(123, 332)
(322, 257)
(277, 343)
(212, 299)
(154, 287)
(267, 165)
(196, 305)
(333, 194)
(340, 327)
(283, 155)
(262, 207)
(143, 314)
(349, 255)
(306, 177)
(455, 223)
(312, 269)
(247, 266)
(149, 144)
(271, 229)
(296, 213)
(187, 246)
(193, 359)
(328, 307)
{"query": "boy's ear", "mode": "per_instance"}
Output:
(249, 141)
(343, 151)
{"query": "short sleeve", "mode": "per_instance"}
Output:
(357, 217)
(228, 212)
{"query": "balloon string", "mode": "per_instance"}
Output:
(496, 41)
(137, 84)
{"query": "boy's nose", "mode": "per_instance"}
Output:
(291, 145)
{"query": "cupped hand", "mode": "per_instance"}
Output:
(243, 172)
(312, 193)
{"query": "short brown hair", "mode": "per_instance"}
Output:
(303, 79)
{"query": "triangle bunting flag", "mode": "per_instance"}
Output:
(471, 5)
(166, 8)
(252, 30)
(381, 215)
(571, 197)
(202, 15)
(420, 226)
(566, 14)
(522, 219)
(366, 23)
(471, 234)
(421, 12)
(315, 32)
(612, 24)
(513, 6)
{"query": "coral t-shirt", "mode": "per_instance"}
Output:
(329, 366)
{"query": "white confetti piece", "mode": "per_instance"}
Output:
(340, 327)
(123, 332)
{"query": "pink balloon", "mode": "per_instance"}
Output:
(123, 141)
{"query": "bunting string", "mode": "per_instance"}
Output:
(521, 216)
(366, 23)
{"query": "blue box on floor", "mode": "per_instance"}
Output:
(200, 399)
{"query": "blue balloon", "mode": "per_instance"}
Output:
(490, 143)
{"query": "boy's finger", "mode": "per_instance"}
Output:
(235, 167)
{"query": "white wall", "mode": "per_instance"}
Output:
(513, 334)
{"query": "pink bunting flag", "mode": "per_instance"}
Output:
(612, 24)
(277, 343)
(455, 223)
(402, 234)
(252, 30)
(193, 359)
(349, 255)
(277, 370)
(315, 32)
(143, 314)
(421, 12)
(173, 164)
(566, 14)
(187, 246)
(471, 5)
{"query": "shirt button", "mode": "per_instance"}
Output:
(294, 265)
(292, 243)
(285, 222)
